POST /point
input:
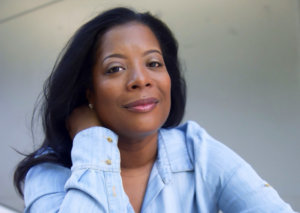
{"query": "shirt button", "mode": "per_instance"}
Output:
(108, 162)
(109, 139)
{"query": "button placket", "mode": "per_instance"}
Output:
(109, 140)
(108, 162)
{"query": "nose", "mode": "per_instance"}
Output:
(139, 78)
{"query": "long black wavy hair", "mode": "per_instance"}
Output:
(65, 89)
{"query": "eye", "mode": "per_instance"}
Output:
(154, 64)
(114, 69)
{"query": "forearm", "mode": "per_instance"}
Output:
(93, 185)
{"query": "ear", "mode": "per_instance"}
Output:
(90, 96)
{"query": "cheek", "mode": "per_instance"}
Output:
(104, 106)
(104, 89)
(166, 90)
(167, 86)
(104, 96)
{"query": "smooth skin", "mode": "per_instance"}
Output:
(131, 96)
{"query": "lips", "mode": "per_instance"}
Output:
(142, 105)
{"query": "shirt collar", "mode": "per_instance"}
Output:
(173, 155)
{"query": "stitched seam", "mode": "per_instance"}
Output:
(228, 180)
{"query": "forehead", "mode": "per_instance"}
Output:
(133, 35)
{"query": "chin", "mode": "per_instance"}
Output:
(139, 128)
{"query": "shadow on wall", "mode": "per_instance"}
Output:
(4, 209)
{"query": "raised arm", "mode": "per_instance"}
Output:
(92, 185)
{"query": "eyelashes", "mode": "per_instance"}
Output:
(117, 68)
(114, 69)
(154, 64)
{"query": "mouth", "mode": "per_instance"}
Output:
(142, 105)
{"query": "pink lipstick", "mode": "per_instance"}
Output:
(142, 105)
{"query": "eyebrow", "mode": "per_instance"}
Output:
(117, 55)
(152, 51)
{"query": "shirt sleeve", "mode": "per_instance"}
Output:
(229, 181)
(93, 184)
(245, 191)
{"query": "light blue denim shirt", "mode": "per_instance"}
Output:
(193, 173)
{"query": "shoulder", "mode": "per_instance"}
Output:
(208, 155)
(44, 178)
(197, 141)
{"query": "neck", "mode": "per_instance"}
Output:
(138, 153)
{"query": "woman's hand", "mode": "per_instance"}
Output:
(81, 118)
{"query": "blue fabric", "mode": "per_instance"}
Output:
(193, 173)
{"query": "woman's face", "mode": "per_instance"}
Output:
(131, 84)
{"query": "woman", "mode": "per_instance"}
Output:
(112, 144)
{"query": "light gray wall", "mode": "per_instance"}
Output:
(241, 60)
